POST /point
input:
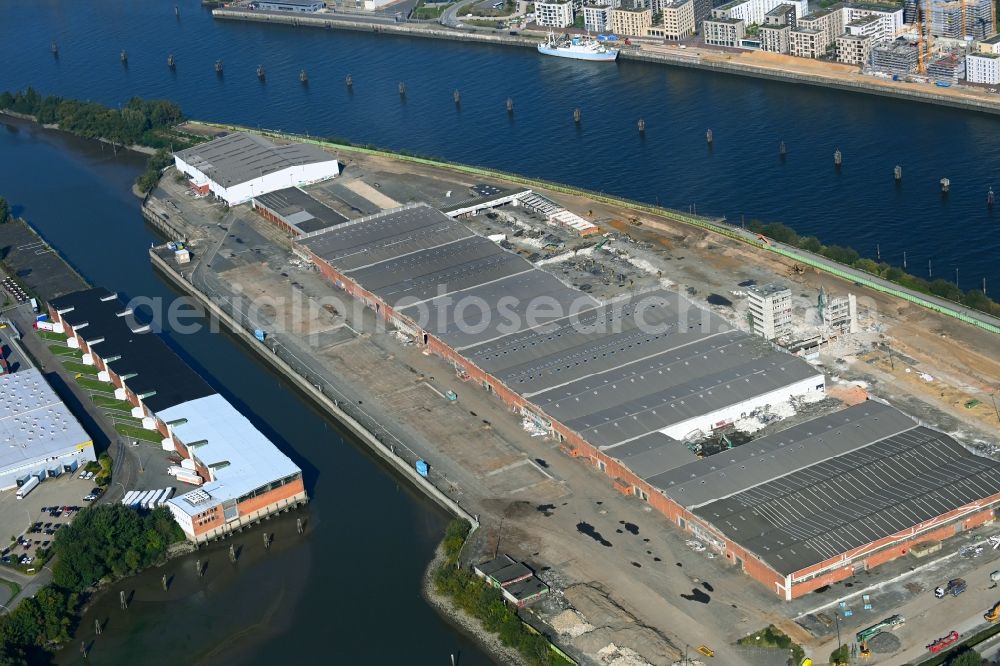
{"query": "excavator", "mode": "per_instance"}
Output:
(993, 614)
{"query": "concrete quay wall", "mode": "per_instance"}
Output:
(378, 447)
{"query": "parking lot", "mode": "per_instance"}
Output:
(31, 523)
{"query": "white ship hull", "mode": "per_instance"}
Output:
(579, 53)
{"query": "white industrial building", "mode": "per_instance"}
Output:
(240, 166)
(983, 68)
(39, 436)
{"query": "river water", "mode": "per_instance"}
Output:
(740, 175)
(346, 593)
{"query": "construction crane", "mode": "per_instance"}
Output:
(921, 65)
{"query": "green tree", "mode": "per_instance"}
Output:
(967, 657)
(4, 211)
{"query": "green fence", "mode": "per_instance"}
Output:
(692, 220)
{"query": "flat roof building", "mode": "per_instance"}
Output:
(854, 49)
(983, 68)
(240, 166)
(307, 6)
(554, 14)
(631, 21)
(627, 384)
(243, 475)
(770, 308)
(295, 212)
(38, 433)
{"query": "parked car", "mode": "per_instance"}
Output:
(89, 498)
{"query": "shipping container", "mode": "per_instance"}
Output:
(151, 502)
(30, 485)
(188, 477)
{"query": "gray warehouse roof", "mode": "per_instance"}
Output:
(239, 157)
(685, 381)
(34, 423)
(829, 507)
(297, 209)
(652, 455)
(384, 236)
(730, 472)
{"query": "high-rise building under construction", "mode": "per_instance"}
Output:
(945, 18)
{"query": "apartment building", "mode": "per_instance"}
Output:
(816, 33)
(554, 14)
(778, 24)
(752, 12)
(806, 42)
(889, 16)
(854, 49)
(678, 20)
(991, 45)
(983, 68)
(723, 31)
(631, 21)
(597, 18)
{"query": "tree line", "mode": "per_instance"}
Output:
(148, 123)
(104, 543)
(135, 122)
(973, 298)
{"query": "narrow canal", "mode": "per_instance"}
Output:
(348, 592)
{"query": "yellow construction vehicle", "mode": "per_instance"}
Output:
(864, 650)
(993, 614)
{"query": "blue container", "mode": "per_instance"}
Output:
(423, 468)
(260, 334)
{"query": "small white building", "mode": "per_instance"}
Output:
(770, 308)
(240, 166)
(554, 14)
(983, 68)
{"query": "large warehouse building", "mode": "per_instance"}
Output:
(240, 166)
(244, 475)
(39, 436)
(628, 384)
